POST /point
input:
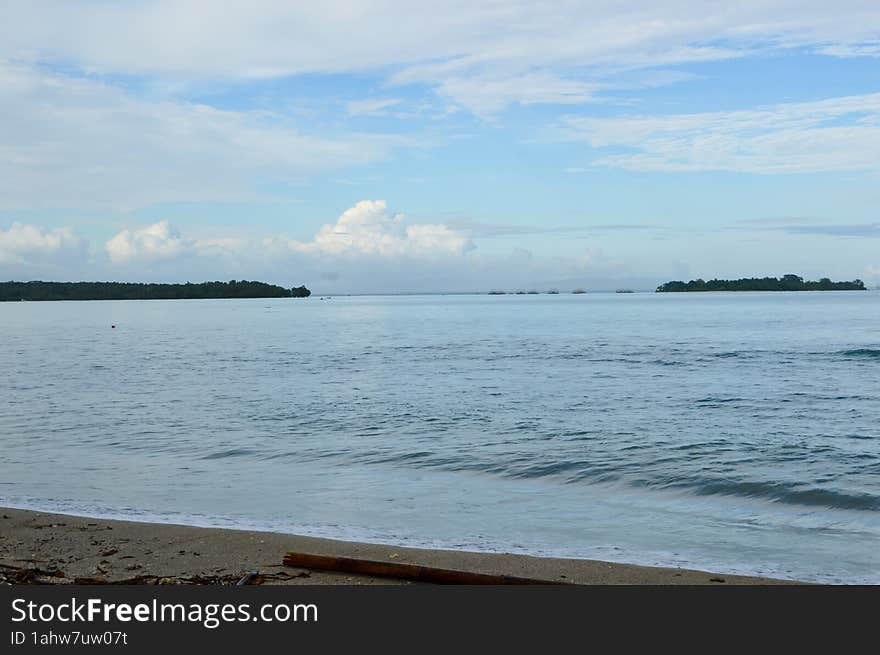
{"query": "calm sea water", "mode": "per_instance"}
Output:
(731, 432)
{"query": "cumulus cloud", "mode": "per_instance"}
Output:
(836, 134)
(157, 241)
(368, 248)
(25, 244)
(366, 230)
(369, 228)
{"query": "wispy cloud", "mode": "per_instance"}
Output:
(856, 230)
(483, 56)
(484, 229)
(867, 49)
(779, 221)
(837, 134)
(808, 225)
(486, 95)
(374, 107)
(96, 145)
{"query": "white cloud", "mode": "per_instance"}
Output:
(78, 129)
(375, 107)
(369, 229)
(486, 96)
(870, 49)
(380, 253)
(451, 47)
(837, 134)
(28, 244)
(157, 241)
(76, 142)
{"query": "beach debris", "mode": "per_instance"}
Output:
(47, 525)
(17, 575)
(108, 553)
(90, 581)
(247, 579)
(402, 571)
(30, 575)
(717, 580)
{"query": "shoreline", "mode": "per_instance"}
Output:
(50, 548)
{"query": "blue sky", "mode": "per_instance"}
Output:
(385, 147)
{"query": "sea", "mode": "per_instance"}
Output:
(732, 432)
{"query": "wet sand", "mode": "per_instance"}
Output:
(42, 548)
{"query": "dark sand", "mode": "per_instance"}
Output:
(41, 548)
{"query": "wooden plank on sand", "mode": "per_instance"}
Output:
(402, 571)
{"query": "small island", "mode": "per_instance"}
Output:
(785, 283)
(16, 291)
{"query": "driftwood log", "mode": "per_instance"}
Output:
(402, 571)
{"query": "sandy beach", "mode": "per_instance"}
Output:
(43, 548)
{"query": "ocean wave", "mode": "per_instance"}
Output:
(734, 354)
(779, 492)
(233, 452)
(867, 353)
(580, 471)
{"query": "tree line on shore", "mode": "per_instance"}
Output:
(14, 291)
(788, 282)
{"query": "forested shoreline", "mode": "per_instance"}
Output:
(785, 283)
(38, 290)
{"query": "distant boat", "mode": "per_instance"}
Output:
(624, 291)
(578, 291)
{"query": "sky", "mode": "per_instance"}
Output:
(400, 147)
